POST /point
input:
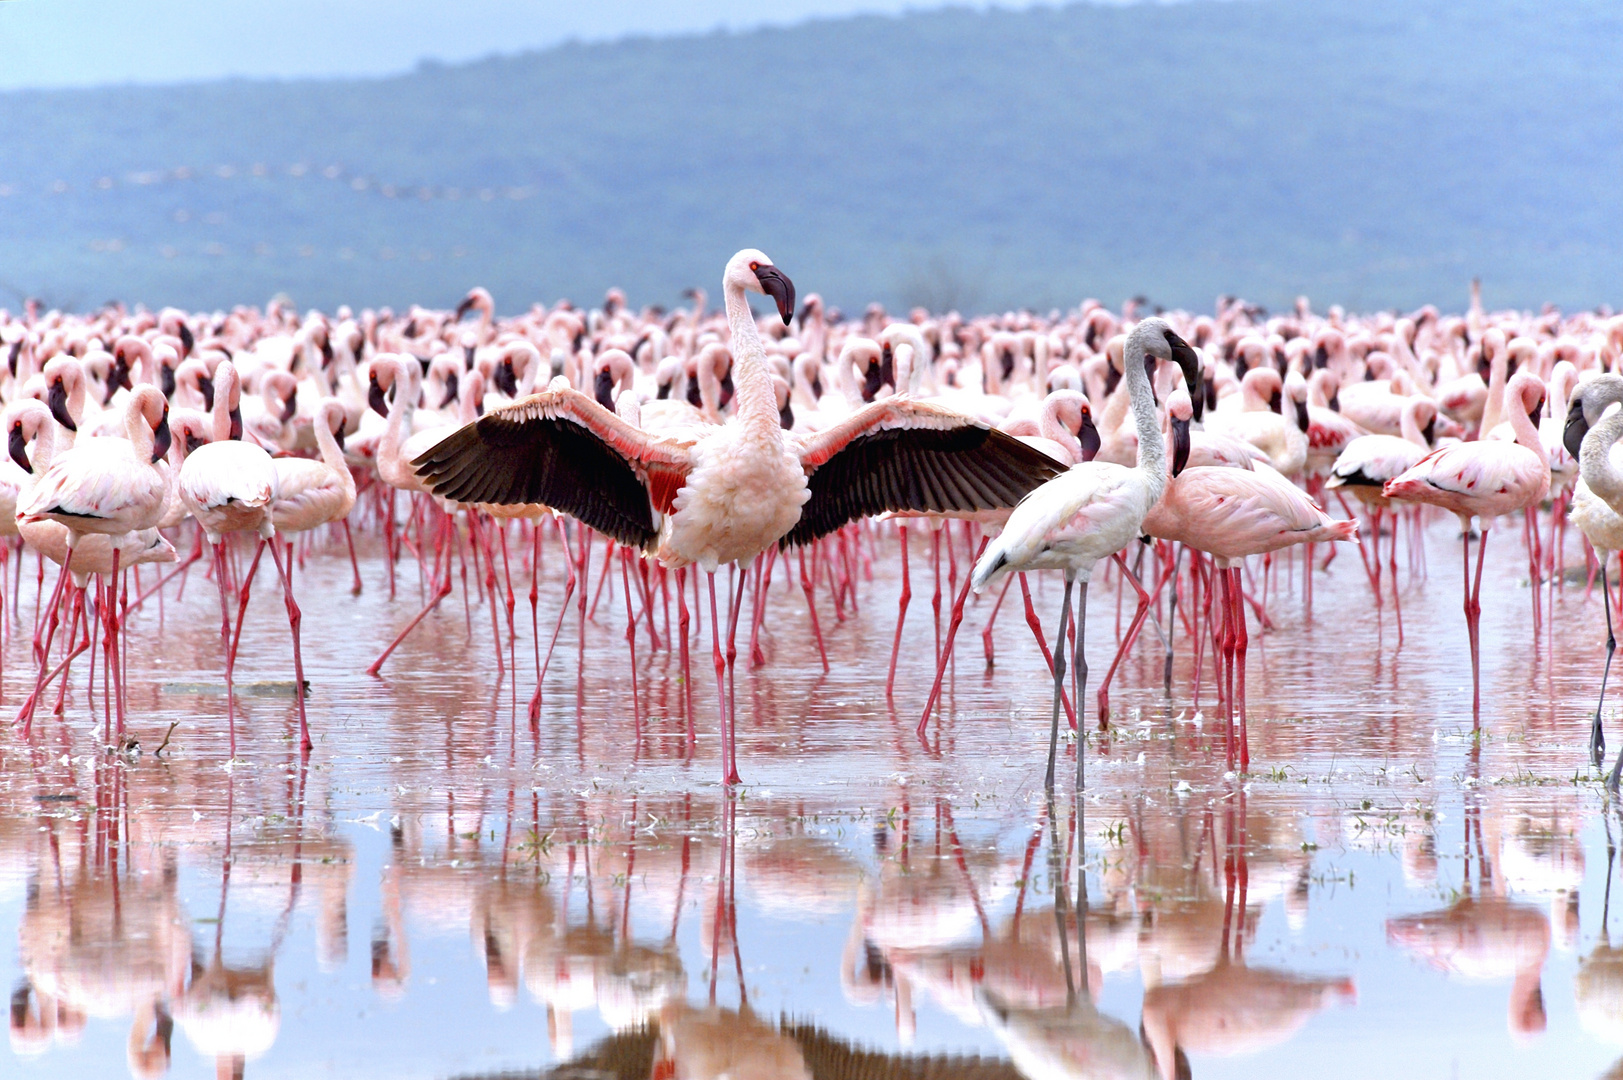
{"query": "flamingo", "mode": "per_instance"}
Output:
(1482, 479)
(1090, 512)
(1594, 511)
(106, 486)
(1230, 514)
(229, 486)
(722, 494)
(1365, 465)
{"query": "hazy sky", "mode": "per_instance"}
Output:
(87, 42)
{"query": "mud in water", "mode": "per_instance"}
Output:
(443, 890)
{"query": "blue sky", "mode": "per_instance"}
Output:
(48, 43)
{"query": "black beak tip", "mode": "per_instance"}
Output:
(1572, 436)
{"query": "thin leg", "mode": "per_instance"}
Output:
(1036, 625)
(991, 620)
(354, 566)
(682, 622)
(808, 586)
(1079, 668)
(563, 610)
(1137, 624)
(1597, 738)
(720, 665)
(295, 619)
(442, 589)
(735, 605)
(631, 639)
(1059, 681)
(1473, 622)
(952, 630)
(1240, 639)
(901, 615)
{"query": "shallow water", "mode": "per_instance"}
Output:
(441, 891)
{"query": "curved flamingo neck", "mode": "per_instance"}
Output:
(136, 426)
(754, 403)
(1050, 426)
(1493, 411)
(1409, 423)
(1595, 459)
(1152, 457)
(226, 394)
(1522, 424)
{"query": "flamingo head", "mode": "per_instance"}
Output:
(1587, 406)
(1162, 343)
(752, 271)
(1180, 410)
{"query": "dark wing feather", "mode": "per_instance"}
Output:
(927, 469)
(539, 459)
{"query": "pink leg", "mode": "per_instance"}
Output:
(952, 631)
(808, 586)
(1139, 615)
(1392, 572)
(295, 618)
(1241, 640)
(991, 620)
(720, 665)
(355, 566)
(442, 589)
(901, 615)
(77, 610)
(631, 640)
(1473, 621)
(735, 605)
(225, 642)
(1036, 625)
(763, 569)
(563, 610)
(682, 622)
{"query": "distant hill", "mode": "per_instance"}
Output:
(1371, 154)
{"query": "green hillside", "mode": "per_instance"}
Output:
(1373, 154)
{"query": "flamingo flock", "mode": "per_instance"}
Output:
(1179, 451)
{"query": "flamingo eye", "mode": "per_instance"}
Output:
(755, 266)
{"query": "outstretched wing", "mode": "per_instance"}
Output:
(901, 454)
(562, 449)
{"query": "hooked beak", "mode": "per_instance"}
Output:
(166, 380)
(603, 389)
(205, 386)
(452, 385)
(161, 436)
(326, 354)
(193, 442)
(187, 342)
(57, 399)
(18, 446)
(782, 291)
(1572, 437)
(375, 398)
(1180, 445)
(467, 356)
(1276, 402)
(1429, 432)
(506, 379)
(236, 424)
(1538, 407)
(1185, 356)
(463, 308)
(1089, 438)
(290, 406)
(338, 433)
(1302, 421)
